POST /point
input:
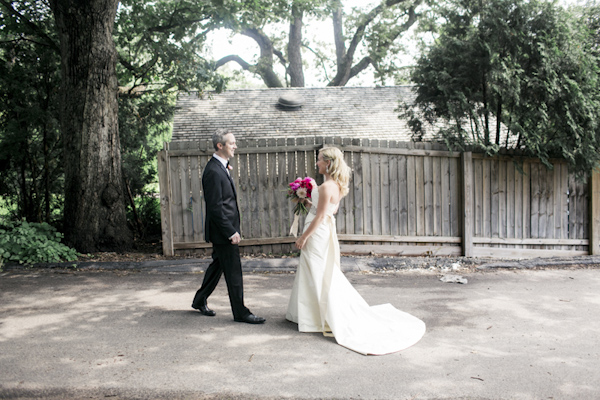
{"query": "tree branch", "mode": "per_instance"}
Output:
(360, 66)
(264, 67)
(338, 32)
(344, 63)
(128, 66)
(170, 27)
(265, 44)
(360, 29)
(320, 58)
(33, 27)
(233, 57)
(27, 39)
(148, 65)
(281, 57)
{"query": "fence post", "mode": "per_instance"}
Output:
(164, 183)
(467, 200)
(594, 192)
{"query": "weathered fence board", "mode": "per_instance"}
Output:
(411, 190)
(405, 198)
(511, 199)
(468, 190)
(594, 185)
(455, 205)
(403, 191)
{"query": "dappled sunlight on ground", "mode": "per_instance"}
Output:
(488, 339)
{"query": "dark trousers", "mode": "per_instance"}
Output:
(226, 260)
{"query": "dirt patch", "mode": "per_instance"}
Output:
(149, 250)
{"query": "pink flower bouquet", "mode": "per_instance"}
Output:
(298, 191)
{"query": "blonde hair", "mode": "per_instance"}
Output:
(337, 169)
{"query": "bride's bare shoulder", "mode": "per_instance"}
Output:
(328, 185)
(331, 189)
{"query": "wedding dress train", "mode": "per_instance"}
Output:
(323, 300)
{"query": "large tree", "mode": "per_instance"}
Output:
(94, 211)
(521, 70)
(361, 39)
(155, 54)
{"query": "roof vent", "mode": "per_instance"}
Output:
(290, 102)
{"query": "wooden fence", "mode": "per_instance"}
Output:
(405, 199)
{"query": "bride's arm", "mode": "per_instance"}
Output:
(325, 194)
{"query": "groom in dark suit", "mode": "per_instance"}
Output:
(222, 229)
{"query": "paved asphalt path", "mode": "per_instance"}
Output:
(127, 333)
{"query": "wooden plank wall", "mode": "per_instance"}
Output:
(523, 209)
(405, 198)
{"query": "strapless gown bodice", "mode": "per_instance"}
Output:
(312, 212)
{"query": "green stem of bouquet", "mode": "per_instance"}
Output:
(300, 209)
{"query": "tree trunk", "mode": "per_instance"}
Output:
(25, 197)
(264, 66)
(486, 118)
(295, 68)
(94, 211)
(343, 62)
(345, 57)
(499, 120)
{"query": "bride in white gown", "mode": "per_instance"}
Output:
(322, 299)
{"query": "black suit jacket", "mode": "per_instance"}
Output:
(222, 213)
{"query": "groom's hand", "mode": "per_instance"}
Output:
(235, 239)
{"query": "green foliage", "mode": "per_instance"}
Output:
(148, 211)
(30, 143)
(144, 124)
(511, 75)
(158, 45)
(382, 37)
(29, 243)
(239, 15)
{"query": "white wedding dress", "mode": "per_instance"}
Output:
(323, 300)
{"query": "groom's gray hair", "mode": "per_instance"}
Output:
(219, 137)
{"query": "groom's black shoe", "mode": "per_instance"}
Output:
(203, 308)
(250, 319)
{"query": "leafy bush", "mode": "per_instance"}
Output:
(28, 243)
(148, 212)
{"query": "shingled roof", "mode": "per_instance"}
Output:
(357, 112)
